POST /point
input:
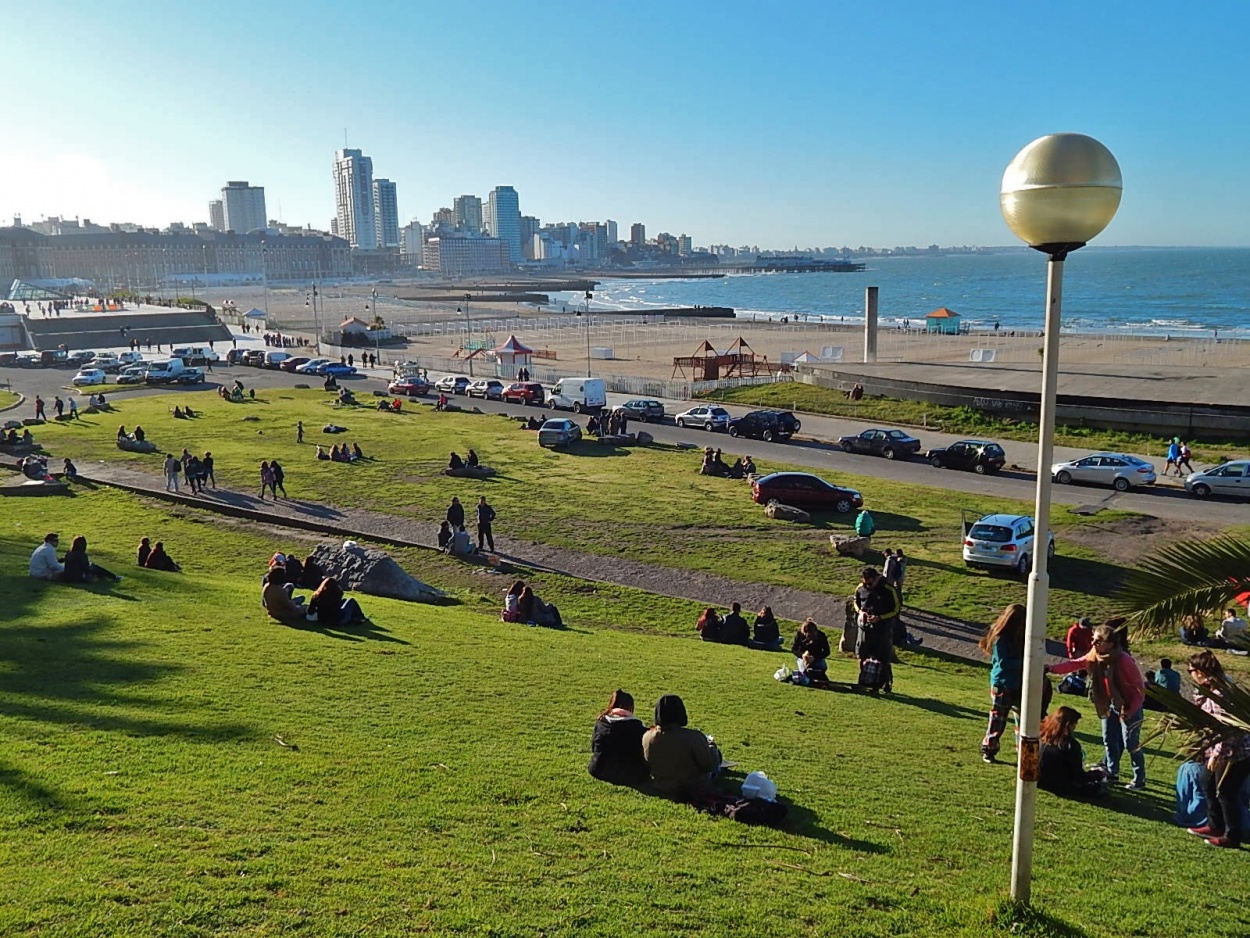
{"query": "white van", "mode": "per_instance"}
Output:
(275, 358)
(195, 354)
(165, 370)
(578, 395)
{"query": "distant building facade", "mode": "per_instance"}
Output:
(412, 243)
(386, 213)
(638, 234)
(467, 213)
(216, 215)
(453, 256)
(353, 199)
(503, 211)
(243, 207)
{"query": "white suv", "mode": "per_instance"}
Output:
(1003, 541)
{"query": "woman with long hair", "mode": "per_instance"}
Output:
(511, 600)
(810, 647)
(616, 744)
(766, 633)
(79, 568)
(330, 608)
(1003, 641)
(709, 625)
(1061, 768)
(1119, 694)
(1226, 763)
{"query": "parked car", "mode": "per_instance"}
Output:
(524, 392)
(643, 409)
(707, 416)
(892, 444)
(804, 490)
(490, 389)
(235, 356)
(336, 370)
(130, 358)
(88, 376)
(580, 395)
(29, 361)
(200, 354)
(558, 432)
(290, 364)
(1118, 470)
(107, 364)
(273, 359)
(1231, 478)
(411, 386)
(766, 425)
(79, 359)
(452, 384)
(979, 456)
(254, 357)
(310, 367)
(1003, 542)
(135, 374)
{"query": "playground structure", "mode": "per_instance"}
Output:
(740, 361)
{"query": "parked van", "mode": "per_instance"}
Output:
(578, 395)
(275, 359)
(195, 354)
(165, 370)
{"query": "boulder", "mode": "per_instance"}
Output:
(851, 546)
(372, 571)
(780, 512)
(644, 438)
(134, 446)
(470, 472)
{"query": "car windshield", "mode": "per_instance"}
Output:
(991, 532)
(719, 412)
(992, 449)
(1134, 461)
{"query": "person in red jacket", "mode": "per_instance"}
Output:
(1080, 638)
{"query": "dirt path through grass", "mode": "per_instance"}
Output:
(940, 633)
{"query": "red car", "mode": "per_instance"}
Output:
(524, 392)
(412, 386)
(804, 490)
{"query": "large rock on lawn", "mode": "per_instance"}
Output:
(372, 571)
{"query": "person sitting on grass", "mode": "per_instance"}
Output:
(80, 569)
(328, 606)
(1194, 630)
(767, 631)
(277, 600)
(356, 452)
(70, 470)
(512, 601)
(1061, 769)
(616, 744)
(139, 435)
(681, 760)
(145, 551)
(178, 414)
(748, 466)
(444, 536)
(736, 471)
(809, 639)
(321, 453)
(1167, 676)
(532, 609)
(709, 625)
(461, 545)
(734, 629)
(122, 434)
(159, 560)
(471, 461)
(1227, 760)
(44, 564)
(455, 462)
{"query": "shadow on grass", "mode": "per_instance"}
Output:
(1095, 577)
(940, 707)
(364, 632)
(591, 448)
(1015, 918)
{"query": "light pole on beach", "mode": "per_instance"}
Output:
(1058, 193)
(589, 296)
(469, 324)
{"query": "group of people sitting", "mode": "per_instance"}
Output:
(1232, 635)
(183, 413)
(34, 467)
(13, 438)
(138, 436)
(74, 567)
(342, 453)
(732, 628)
(153, 557)
(327, 605)
(468, 462)
(613, 423)
(714, 465)
(669, 757)
(394, 407)
(455, 540)
(345, 397)
(97, 401)
(521, 604)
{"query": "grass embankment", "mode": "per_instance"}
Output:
(8, 399)
(648, 504)
(810, 399)
(433, 777)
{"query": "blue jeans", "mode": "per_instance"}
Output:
(1120, 733)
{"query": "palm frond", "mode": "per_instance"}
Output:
(1185, 578)
(1200, 730)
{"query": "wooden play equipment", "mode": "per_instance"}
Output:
(707, 364)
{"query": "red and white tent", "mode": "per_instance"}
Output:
(513, 355)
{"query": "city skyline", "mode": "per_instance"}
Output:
(804, 126)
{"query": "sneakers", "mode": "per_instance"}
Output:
(1223, 842)
(1203, 831)
(1134, 786)
(988, 758)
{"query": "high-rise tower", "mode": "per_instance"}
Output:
(503, 212)
(467, 211)
(353, 199)
(243, 207)
(385, 213)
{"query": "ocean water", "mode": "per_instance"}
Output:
(1163, 291)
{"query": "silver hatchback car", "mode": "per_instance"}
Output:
(1231, 478)
(1118, 470)
(709, 417)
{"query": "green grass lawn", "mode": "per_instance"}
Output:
(647, 504)
(811, 399)
(439, 782)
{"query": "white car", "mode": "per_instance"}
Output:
(89, 376)
(707, 416)
(1118, 470)
(310, 367)
(1002, 541)
(490, 389)
(453, 384)
(130, 358)
(1230, 478)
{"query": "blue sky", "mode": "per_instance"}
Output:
(778, 124)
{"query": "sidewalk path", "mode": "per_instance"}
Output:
(941, 634)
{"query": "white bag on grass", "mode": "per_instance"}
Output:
(759, 785)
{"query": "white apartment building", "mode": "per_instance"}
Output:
(216, 215)
(353, 199)
(243, 207)
(385, 213)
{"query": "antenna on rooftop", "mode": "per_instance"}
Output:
(344, 138)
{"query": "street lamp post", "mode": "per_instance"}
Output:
(469, 323)
(1058, 193)
(589, 297)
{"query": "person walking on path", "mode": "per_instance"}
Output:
(485, 515)
(1183, 460)
(1119, 694)
(1174, 456)
(279, 476)
(266, 481)
(1004, 643)
(73, 409)
(877, 607)
(207, 465)
(39, 411)
(455, 514)
(173, 469)
(299, 432)
(59, 406)
(895, 569)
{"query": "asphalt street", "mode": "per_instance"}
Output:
(815, 448)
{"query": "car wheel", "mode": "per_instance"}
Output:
(1050, 550)
(1064, 477)
(733, 431)
(1023, 566)
(888, 453)
(843, 505)
(797, 427)
(551, 405)
(936, 462)
(845, 447)
(1120, 484)
(768, 436)
(707, 427)
(979, 469)
(577, 407)
(1201, 490)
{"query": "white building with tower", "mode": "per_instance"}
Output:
(243, 207)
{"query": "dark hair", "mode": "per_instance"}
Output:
(277, 575)
(670, 711)
(1010, 623)
(620, 700)
(809, 621)
(737, 607)
(1165, 662)
(766, 612)
(79, 544)
(1057, 728)
(516, 588)
(1206, 662)
(868, 573)
(1119, 625)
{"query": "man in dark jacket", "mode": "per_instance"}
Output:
(878, 606)
(455, 514)
(734, 628)
(485, 515)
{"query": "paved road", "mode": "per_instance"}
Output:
(814, 450)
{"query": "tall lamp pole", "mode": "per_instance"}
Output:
(589, 297)
(469, 322)
(1058, 193)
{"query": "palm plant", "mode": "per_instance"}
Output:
(1183, 579)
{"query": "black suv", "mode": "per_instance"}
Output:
(766, 425)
